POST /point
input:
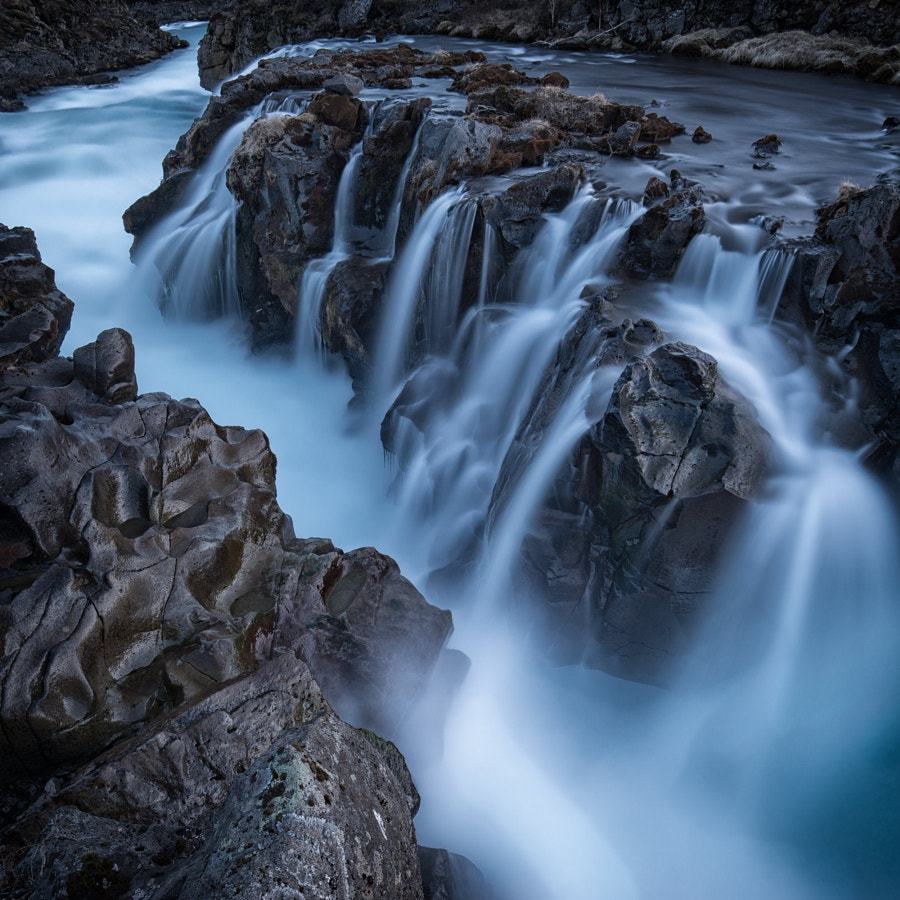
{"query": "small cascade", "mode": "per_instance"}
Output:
(444, 282)
(450, 462)
(318, 271)
(188, 260)
(808, 591)
(403, 293)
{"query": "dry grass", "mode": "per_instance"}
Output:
(793, 50)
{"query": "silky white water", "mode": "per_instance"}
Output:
(557, 782)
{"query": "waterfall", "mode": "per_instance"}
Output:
(807, 595)
(451, 461)
(317, 272)
(188, 260)
(403, 290)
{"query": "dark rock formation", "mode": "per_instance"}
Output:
(145, 564)
(845, 288)
(51, 42)
(167, 646)
(253, 790)
(449, 876)
(162, 12)
(630, 535)
(287, 170)
(34, 315)
(657, 240)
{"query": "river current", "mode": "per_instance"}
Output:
(563, 782)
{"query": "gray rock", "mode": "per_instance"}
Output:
(658, 239)
(252, 791)
(106, 366)
(352, 13)
(347, 85)
(450, 876)
(34, 315)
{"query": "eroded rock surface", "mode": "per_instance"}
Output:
(145, 564)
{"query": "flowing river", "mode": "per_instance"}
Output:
(558, 782)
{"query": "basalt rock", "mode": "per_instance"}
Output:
(632, 530)
(658, 239)
(34, 315)
(146, 564)
(351, 313)
(44, 43)
(257, 789)
(845, 288)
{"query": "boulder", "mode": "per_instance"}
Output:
(256, 789)
(630, 535)
(701, 135)
(657, 241)
(34, 314)
(106, 366)
(347, 85)
(450, 876)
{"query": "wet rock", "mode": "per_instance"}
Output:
(484, 75)
(555, 79)
(845, 288)
(351, 313)
(348, 85)
(144, 562)
(767, 146)
(34, 315)
(517, 213)
(255, 789)
(659, 129)
(632, 531)
(286, 173)
(106, 366)
(657, 241)
(890, 123)
(701, 135)
(624, 138)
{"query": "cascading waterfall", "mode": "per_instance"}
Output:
(188, 260)
(811, 577)
(403, 292)
(318, 271)
(450, 466)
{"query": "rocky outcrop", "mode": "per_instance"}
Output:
(658, 239)
(252, 790)
(44, 43)
(155, 598)
(163, 11)
(845, 288)
(287, 170)
(629, 537)
(34, 315)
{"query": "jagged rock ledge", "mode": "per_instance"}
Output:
(172, 654)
